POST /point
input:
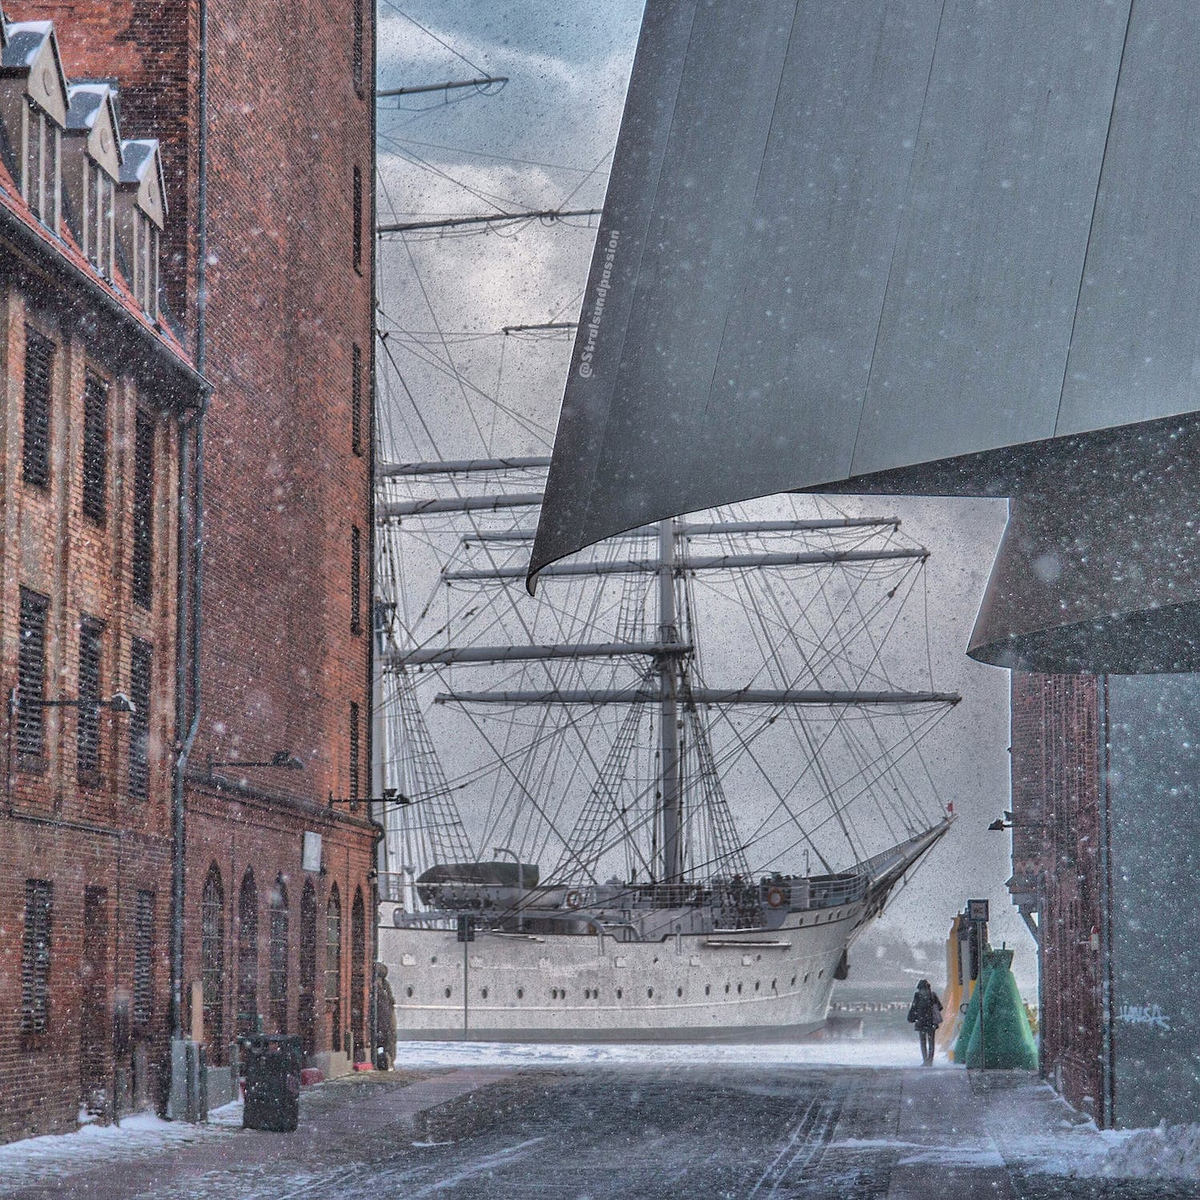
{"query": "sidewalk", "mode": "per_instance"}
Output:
(972, 1133)
(161, 1158)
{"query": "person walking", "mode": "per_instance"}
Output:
(385, 1020)
(925, 1013)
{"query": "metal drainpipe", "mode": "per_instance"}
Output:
(378, 847)
(191, 545)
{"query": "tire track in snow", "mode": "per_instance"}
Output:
(807, 1142)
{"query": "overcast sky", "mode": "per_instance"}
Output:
(543, 141)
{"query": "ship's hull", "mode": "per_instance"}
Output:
(745, 985)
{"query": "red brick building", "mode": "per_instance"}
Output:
(98, 396)
(1057, 761)
(264, 116)
(1106, 850)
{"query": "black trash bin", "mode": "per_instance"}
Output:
(272, 1082)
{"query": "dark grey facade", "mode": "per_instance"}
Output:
(1153, 937)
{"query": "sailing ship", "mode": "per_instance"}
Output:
(685, 777)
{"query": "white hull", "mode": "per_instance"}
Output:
(749, 985)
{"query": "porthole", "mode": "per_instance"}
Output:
(563, 993)
(620, 994)
(821, 973)
(520, 993)
(554, 993)
(793, 983)
(774, 988)
(408, 992)
(656, 959)
(727, 989)
(739, 989)
(758, 958)
(757, 984)
(707, 989)
(649, 993)
(433, 959)
(679, 992)
(484, 993)
(447, 993)
(806, 976)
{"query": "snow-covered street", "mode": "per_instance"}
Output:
(634, 1122)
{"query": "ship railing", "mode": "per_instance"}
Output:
(670, 895)
(833, 891)
(392, 886)
(403, 920)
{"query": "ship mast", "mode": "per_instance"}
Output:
(670, 791)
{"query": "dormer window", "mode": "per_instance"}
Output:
(33, 109)
(99, 219)
(144, 266)
(141, 204)
(91, 165)
(42, 170)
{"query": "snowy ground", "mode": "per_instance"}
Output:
(782, 1119)
(1163, 1153)
(848, 1053)
(139, 1135)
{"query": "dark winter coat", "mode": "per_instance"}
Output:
(385, 1018)
(926, 1010)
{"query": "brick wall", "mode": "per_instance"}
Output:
(1056, 798)
(40, 1075)
(237, 835)
(82, 833)
(283, 486)
(149, 46)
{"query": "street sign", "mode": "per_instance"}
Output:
(977, 910)
(466, 928)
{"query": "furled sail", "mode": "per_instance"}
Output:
(845, 238)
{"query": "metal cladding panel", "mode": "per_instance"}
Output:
(1136, 350)
(721, 204)
(975, 327)
(846, 239)
(1099, 569)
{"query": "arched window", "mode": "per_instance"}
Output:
(333, 967)
(306, 1007)
(212, 963)
(247, 956)
(277, 981)
(358, 975)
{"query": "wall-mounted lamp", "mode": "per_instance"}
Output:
(118, 702)
(283, 760)
(389, 795)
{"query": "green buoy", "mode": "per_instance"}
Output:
(1010, 1045)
